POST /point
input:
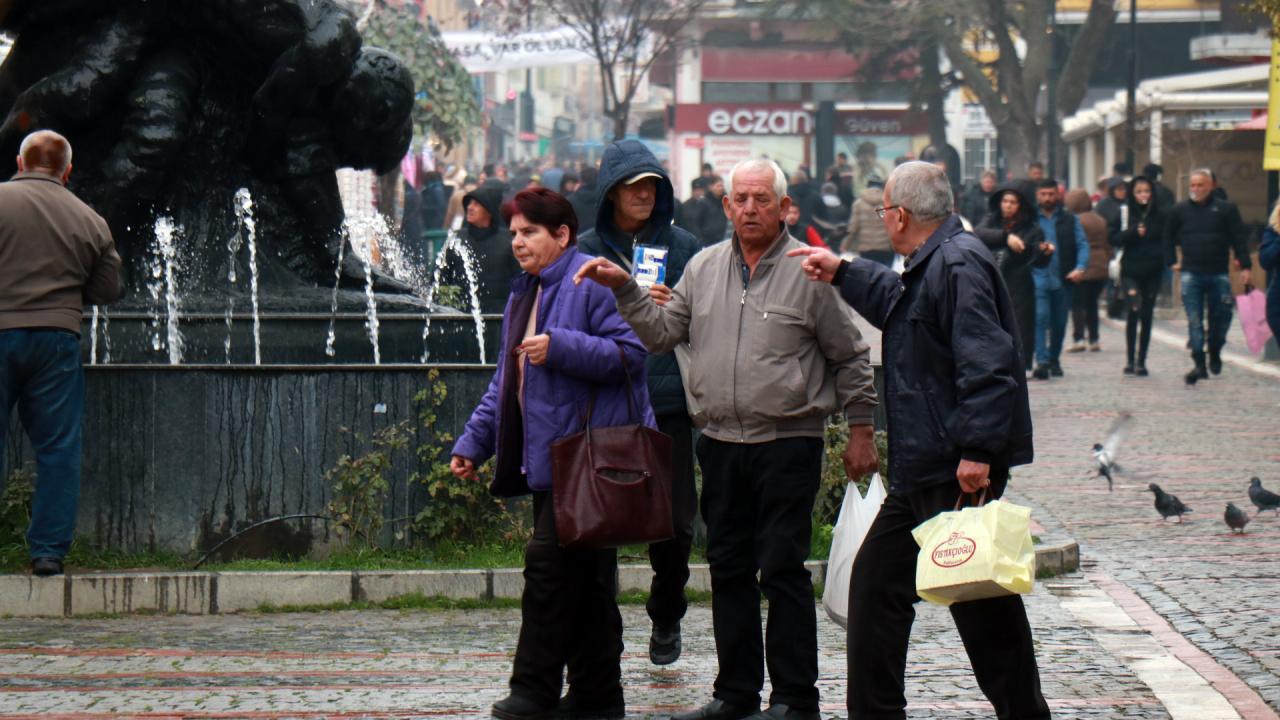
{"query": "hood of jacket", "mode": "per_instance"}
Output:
(625, 159)
(1152, 205)
(1026, 213)
(873, 196)
(490, 198)
(1078, 201)
(1114, 184)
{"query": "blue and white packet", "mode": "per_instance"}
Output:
(650, 264)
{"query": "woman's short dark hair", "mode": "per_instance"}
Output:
(544, 207)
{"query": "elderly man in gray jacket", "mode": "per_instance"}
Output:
(772, 357)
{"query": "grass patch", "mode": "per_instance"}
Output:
(13, 558)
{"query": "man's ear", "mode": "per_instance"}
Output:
(66, 174)
(21, 165)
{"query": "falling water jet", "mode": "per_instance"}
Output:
(244, 213)
(93, 338)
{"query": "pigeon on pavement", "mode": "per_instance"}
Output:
(1168, 505)
(1236, 518)
(1262, 498)
(1104, 453)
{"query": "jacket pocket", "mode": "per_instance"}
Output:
(780, 388)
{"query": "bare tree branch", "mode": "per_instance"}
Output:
(1074, 81)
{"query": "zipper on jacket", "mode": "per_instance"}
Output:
(737, 351)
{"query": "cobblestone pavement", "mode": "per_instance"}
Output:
(455, 664)
(1203, 443)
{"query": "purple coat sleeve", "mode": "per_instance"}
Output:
(479, 438)
(592, 356)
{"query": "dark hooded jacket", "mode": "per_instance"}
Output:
(1143, 254)
(585, 200)
(496, 266)
(1015, 268)
(622, 160)
(1109, 206)
(1207, 232)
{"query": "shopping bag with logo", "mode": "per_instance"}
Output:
(976, 552)
(1253, 316)
(856, 515)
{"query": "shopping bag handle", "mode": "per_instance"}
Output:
(981, 498)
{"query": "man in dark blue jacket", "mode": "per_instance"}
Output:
(958, 418)
(636, 207)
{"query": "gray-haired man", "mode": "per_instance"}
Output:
(772, 356)
(956, 402)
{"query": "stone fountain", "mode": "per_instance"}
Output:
(257, 337)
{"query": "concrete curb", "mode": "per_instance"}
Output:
(211, 593)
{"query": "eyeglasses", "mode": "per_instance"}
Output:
(882, 211)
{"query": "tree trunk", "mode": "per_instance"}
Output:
(933, 95)
(1017, 154)
(619, 115)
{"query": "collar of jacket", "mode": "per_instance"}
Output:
(948, 229)
(771, 255)
(33, 175)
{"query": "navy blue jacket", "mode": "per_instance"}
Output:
(623, 160)
(954, 385)
(1269, 259)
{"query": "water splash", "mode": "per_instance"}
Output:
(455, 244)
(244, 214)
(362, 246)
(93, 338)
(233, 249)
(106, 336)
(329, 348)
(164, 270)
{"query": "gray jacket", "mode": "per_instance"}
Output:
(770, 358)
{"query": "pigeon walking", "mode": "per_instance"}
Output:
(1104, 453)
(1168, 505)
(1262, 498)
(1236, 518)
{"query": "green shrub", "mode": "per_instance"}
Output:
(15, 508)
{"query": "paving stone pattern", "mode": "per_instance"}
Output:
(1202, 443)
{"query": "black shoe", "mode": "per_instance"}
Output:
(1041, 372)
(1128, 369)
(718, 710)
(1141, 371)
(576, 707)
(1215, 363)
(519, 707)
(782, 712)
(664, 645)
(1193, 376)
(46, 566)
(1055, 369)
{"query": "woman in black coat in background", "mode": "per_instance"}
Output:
(1010, 231)
(1141, 268)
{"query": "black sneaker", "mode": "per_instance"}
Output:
(519, 707)
(1128, 369)
(1055, 369)
(1141, 371)
(46, 566)
(1041, 373)
(1215, 363)
(664, 645)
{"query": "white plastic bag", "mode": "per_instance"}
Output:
(856, 515)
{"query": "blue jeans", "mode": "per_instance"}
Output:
(1052, 308)
(40, 371)
(1201, 291)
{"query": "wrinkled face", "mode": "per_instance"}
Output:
(535, 246)
(1009, 205)
(634, 202)
(895, 221)
(1142, 193)
(1201, 186)
(755, 209)
(477, 215)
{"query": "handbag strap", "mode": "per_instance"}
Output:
(633, 412)
(979, 497)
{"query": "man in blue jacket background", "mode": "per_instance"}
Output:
(636, 206)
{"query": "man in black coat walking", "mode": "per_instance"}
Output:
(635, 207)
(958, 419)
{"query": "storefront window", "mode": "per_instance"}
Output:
(716, 92)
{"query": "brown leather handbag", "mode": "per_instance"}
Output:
(612, 486)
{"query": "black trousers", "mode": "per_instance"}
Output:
(1137, 326)
(882, 593)
(569, 617)
(757, 501)
(1084, 310)
(670, 559)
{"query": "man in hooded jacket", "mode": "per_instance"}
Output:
(495, 264)
(636, 206)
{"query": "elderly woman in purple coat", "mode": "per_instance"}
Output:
(561, 343)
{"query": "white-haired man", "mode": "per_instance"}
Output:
(955, 395)
(56, 256)
(773, 356)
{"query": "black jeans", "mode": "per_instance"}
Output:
(1084, 310)
(882, 592)
(757, 501)
(1140, 306)
(569, 617)
(670, 558)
